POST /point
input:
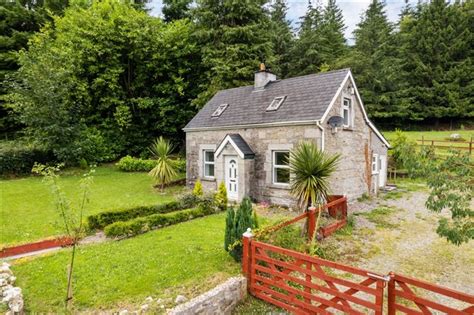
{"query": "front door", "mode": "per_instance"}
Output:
(382, 170)
(231, 176)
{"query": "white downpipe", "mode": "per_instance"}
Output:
(322, 134)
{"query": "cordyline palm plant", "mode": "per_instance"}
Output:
(311, 169)
(164, 171)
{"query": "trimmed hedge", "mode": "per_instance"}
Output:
(131, 164)
(20, 159)
(145, 224)
(101, 220)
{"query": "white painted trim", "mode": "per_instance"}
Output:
(224, 142)
(275, 166)
(334, 98)
(376, 171)
(262, 125)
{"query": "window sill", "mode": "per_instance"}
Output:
(280, 186)
(208, 179)
(347, 129)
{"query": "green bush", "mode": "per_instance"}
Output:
(19, 159)
(144, 224)
(100, 220)
(180, 165)
(131, 164)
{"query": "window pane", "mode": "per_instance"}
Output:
(209, 156)
(209, 170)
(282, 158)
(282, 175)
(346, 116)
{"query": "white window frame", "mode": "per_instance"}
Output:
(276, 103)
(204, 163)
(375, 163)
(278, 166)
(219, 110)
(349, 111)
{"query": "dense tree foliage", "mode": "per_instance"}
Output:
(105, 78)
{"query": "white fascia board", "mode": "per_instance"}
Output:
(226, 140)
(262, 125)
(334, 98)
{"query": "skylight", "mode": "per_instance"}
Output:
(219, 110)
(276, 103)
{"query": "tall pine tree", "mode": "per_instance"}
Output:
(281, 37)
(373, 60)
(175, 9)
(235, 38)
(437, 69)
(306, 53)
(333, 44)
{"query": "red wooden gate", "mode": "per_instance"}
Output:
(413, 296)
(303, 284)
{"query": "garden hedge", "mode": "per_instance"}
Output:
(101, 220)
(154, 221)
(20, 159)
(131, 164)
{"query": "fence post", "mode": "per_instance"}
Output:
(391, 295)
(422, 140)
(470, 147)
(246, 255)
(311, 222)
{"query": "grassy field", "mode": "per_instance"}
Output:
(186, 259)
(27, 211)
(431, 135)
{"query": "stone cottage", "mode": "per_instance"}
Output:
(243, 136)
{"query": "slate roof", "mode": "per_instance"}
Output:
(307, 98)
(242, 145)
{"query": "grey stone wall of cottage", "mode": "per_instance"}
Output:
(352, 178)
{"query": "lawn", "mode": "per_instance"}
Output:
(27, 211)
(186, 259)
(431, 135)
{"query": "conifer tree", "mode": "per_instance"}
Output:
(437, 68)
(333, 43)
(235, 39)
(282, 38)
(306, 54)
(175, 9)
(229, 228)
(373, 60)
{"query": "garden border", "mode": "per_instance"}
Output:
(36, 246)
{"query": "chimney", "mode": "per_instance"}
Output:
(262, 77)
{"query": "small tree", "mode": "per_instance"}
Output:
(197, 190)
(164, 171)
(221, 197)
(311, 169)
(72, 217)
(236, 224)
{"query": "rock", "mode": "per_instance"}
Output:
(3, 282)
(144, 308)
(180, 299)
(16, 305)
(12, 279)
(149, 299)
(123, 312)
(455, 136)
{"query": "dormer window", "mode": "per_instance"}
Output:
(276, 103)
(219, 110)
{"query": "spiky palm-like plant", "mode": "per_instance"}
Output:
(164, 171)
(311, 169)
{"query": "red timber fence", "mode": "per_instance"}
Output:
(304, 284)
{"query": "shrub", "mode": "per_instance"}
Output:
(180, 165)
(20, 159)
(221, 197)
(236, 224)
(131, 164)
(197, 191)
(144, 224)
(100, 220)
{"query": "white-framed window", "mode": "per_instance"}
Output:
(276, 103)
(281, 167)
(375, 163)
(347, 112)
(219, 110)
(208, 163)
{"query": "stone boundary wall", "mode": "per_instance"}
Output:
(9, 294)
(220, 300)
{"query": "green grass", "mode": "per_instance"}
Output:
(431, 135)
(27, 212)
(380, 217)
(187, 258)
(254, 306)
